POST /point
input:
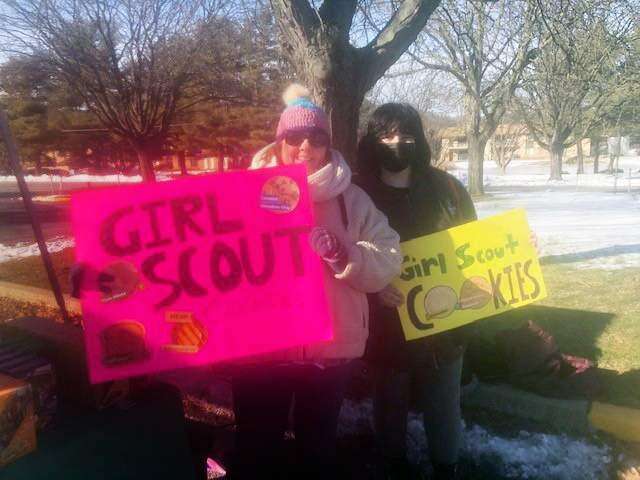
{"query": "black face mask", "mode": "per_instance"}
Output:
(395, 157)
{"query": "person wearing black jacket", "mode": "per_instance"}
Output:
(418, 199)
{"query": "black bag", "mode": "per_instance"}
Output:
(529, 358)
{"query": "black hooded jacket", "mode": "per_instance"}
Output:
(435, 201)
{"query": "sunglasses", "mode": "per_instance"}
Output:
(316, 139)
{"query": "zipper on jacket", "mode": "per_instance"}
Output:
(409, 202)
(411, 213)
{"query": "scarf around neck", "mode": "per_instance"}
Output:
(324, 184)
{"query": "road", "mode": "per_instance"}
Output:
(14, 223)
(53, 187)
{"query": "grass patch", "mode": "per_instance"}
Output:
(10, 308)
(593, 314)
(30, 270)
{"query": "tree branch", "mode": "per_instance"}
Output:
(298, 20)
(396, 36)
(339, 14)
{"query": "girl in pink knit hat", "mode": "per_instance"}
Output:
(361, 254)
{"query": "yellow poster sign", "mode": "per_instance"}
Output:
(466, 273)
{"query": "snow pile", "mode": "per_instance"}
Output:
(621, 182)
(79, 178)
(537, 455)
(525, 456)
(580, 221)
(29, 249)
(535, 173)
(83, 178)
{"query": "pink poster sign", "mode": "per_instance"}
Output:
(197, 270)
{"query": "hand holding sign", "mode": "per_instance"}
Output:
(115, 281)
(391, 297)
(533, 240)
(328, 247)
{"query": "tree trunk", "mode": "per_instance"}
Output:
(580, 155)
(336, 84)
(557, 151)
(145, 161)
(317, 44)
(476, 146)
(182, 161)
(343, 108)
(596, 157)
(38, 164)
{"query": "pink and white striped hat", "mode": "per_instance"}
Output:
(301, 113)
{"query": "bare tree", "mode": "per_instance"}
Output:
(318, 44)
(4, 160)
(579, 156)
(434, 138)
(484, 47)
(594, 142)
(574, 75)
(505, 143)
(129, 61)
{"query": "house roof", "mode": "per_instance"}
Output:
(454, 132)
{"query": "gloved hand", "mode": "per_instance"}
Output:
(78, 274)
(328, 247)
(533, 240)
(76, 278)
(391, 297)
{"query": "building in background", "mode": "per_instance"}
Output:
(510, 138)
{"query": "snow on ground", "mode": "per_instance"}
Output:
(523, 456)
(86, 178)
(23, 249)
(585, 229)
(536, 172)
(537, 455)
(580, 221)
(80, 178)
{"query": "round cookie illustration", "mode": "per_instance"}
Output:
(475, 293)
(118, 281)
(440, 302)
(123, 343)
(280, 194)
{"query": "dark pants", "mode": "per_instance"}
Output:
(438, 392)
(262, 400)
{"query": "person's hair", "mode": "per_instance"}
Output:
(388, 119)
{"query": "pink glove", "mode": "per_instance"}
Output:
(328, 247)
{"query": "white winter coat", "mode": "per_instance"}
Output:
(374, 258)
